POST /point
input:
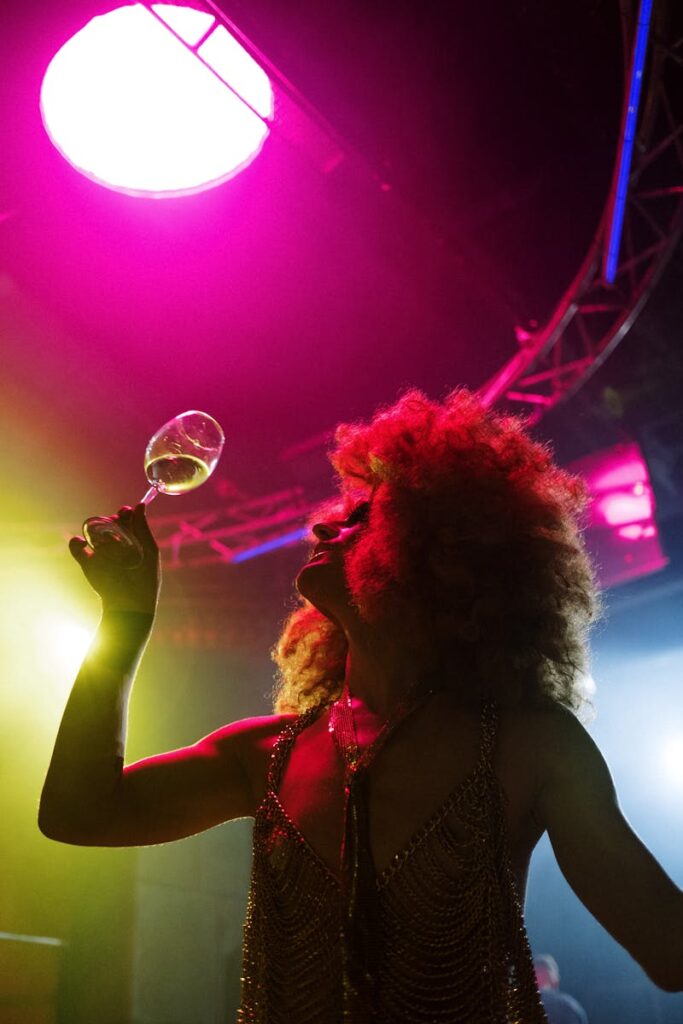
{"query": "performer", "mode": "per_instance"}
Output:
(560, 1007)
(425, 736)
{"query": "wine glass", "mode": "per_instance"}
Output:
(182, 455)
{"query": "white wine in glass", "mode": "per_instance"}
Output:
(182, 455)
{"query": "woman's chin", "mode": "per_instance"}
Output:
(305, 583)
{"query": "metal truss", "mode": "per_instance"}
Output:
(552, 362)
(235, 532)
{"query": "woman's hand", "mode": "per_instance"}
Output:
(121, 589)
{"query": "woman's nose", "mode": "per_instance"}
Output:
(325, 531)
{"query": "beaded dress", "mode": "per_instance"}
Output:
(448, 943)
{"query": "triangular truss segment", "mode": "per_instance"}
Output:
(552, 362)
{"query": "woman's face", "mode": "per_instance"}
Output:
(322, 580)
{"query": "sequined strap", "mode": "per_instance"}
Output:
(284, 744)
(489, 732)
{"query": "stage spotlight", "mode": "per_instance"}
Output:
(132, 107)
(621, 531)
(672, 759)
(624, 508)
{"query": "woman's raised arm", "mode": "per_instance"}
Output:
(88, 797)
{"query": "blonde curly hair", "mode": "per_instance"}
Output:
(472, 548)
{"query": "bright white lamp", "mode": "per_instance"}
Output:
(129, 106)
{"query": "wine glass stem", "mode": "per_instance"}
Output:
(150, 495)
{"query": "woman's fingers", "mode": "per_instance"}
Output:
(78, 548)
(138, 521)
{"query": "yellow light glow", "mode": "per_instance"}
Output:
(44, 634)
(63, 642)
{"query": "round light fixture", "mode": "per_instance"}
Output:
(132, 108)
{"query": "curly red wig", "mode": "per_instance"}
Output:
(472, 548)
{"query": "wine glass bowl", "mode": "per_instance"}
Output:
(183, 453)
(181, 456)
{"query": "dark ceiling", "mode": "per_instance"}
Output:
(287, 299)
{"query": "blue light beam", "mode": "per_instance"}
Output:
(271, 545)
(628, 137)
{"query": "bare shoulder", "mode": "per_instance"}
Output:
(573, 785)
(551, 733)
(256, 728)
(544, 721)
(566, 749)
(542, 748)
(253, 740)
(251, 736)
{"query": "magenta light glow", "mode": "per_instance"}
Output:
(625, 507)
(622, 531)
(620, 489)
(636, 531)
(129, 106)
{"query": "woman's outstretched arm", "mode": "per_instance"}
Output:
(611, 871)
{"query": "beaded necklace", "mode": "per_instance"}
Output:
(361, 952)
